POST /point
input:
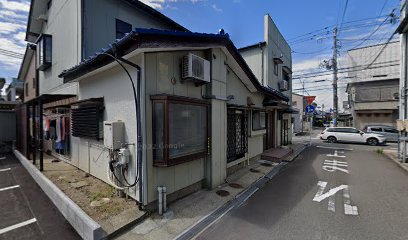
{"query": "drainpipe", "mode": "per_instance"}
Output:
(262, 71)
(139, 127)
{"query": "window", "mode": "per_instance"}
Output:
(26, 89)
(122, 28)
(258, 120)
(34, 82)
(275, 68)
(390, 130)
(44, 52)
(374, 129)
(180, 129)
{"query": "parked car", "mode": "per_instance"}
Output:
(389, 132)
(349, 134)
(326, 124)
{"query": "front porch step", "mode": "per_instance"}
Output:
(276, 154)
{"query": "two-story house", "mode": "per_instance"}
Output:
(121, 86)
(373, 91)
(271, 62)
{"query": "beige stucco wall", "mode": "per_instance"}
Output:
(160, 69)
(29, 79)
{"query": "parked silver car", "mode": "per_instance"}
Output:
(389, 132)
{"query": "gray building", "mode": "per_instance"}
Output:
(373, 90)
(271, 63)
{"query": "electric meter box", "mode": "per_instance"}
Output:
(113, 134)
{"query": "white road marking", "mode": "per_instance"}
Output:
(348, 208)
(332, 206)
(6, 169)
(338, 148)
(8, 188)
(18, 225)
(322, 185)
(334, 165)
(2, 158)
(336, 154)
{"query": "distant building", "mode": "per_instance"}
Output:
(271, 63)
(374, 87)
(298, 103)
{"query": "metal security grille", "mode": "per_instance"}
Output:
(237, 134)
(87, 120)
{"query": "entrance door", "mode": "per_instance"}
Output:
(237, 137)
(270, 126)
(285, 132)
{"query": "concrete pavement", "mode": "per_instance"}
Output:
(357, 194)
(26, 212)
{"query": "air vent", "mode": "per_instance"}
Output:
(196, 69)
(87, 120)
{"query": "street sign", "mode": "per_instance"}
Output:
(310, 99)
(310, 109)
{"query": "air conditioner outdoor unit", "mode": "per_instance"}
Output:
(196, 69)
(284, 85)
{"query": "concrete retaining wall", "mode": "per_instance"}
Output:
(86, 227)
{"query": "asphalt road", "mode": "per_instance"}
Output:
(25, 211)
(361, 196)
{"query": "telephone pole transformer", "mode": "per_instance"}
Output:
(335, 97)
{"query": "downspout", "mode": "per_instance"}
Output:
(262, 61)
(138, 127)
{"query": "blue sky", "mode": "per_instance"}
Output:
(242, 19)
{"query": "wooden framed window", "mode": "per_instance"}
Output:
(180, 129)
(44, 52)
(258, 120)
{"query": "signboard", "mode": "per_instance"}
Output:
(310, 99)
(310, 109)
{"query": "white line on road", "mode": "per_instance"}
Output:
(348, 149)
(332, 206)
(6, 169)
(322, 185)
(336, 154)
(2, 158)
(8, 188)
(348, 208)
(18, 225)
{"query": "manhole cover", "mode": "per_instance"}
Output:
(235, 185)
(222, 193)
(254, 170)
(266, 164)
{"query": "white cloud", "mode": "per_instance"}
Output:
(216, 8)
(23, 6)
(8, 27)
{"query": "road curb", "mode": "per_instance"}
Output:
(396, 161)
(86, 227)
(237, 201)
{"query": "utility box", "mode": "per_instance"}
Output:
(113, 134)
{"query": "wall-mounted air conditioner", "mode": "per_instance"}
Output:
(196, 69)
(283, 85)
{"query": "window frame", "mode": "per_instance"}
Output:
(45, 64)
(166, 100)
(252, 116)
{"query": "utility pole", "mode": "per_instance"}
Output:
(335, 97)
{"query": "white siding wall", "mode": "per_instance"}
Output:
(114, 85)
(64, 24)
